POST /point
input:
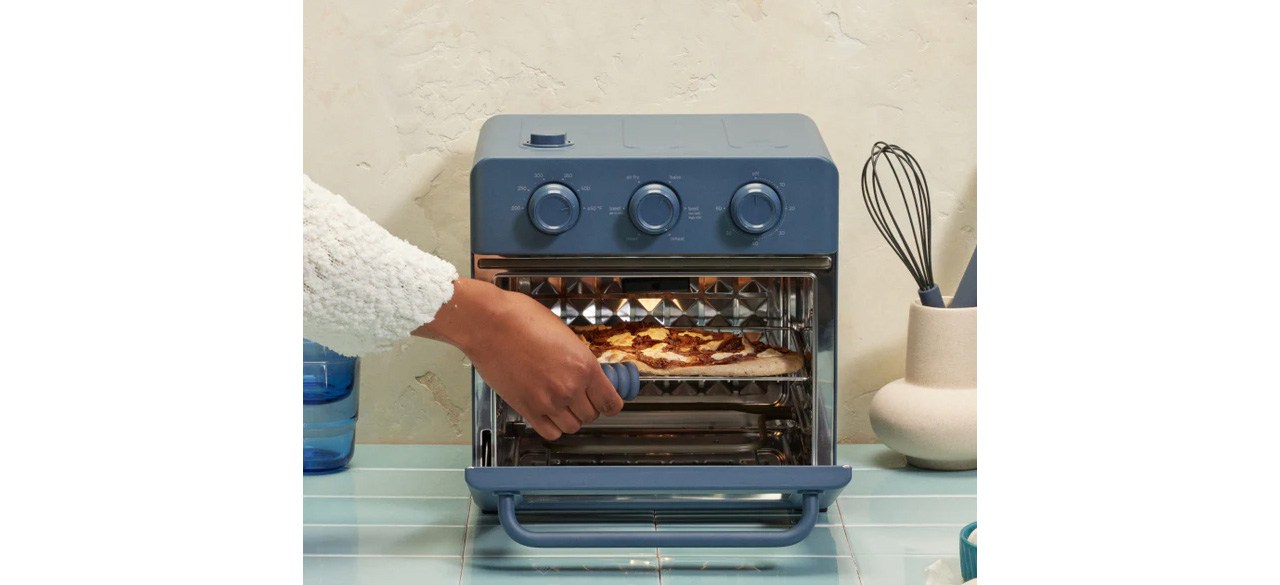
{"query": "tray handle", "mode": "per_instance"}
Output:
(708, 538)
(625, 377)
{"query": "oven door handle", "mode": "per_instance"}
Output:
(708, 538)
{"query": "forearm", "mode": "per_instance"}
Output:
(458, 321)
(527, 355)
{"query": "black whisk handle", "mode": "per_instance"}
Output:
(931, 297)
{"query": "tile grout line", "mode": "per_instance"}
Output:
(872, 496)
(375, 556)
(577, 553)
(362, 525)
(380, 497)
(736, 555)
(910, 525)
(657, 551)
(466, 534)
(844, 530)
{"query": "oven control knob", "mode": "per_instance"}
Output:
(553, 208)
(654, 208)
(755, 208)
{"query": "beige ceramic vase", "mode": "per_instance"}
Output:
(931, 415)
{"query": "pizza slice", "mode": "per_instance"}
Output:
(664, 351)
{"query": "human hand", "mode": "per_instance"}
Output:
(527, 355)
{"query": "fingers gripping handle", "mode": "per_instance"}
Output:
(625, 378)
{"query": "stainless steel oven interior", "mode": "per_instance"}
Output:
(775, 420)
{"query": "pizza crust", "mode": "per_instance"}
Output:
(779, 365)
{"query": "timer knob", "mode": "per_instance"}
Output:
(553, 208)
(755, 208)
(654, 208)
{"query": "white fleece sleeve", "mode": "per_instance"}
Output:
(363, 288)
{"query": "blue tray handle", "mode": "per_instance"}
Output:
(725, 539)
(625, 377)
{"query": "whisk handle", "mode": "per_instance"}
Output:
(931, 297)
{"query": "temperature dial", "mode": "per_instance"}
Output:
(553, 208)
(654, 208)
(755, 208)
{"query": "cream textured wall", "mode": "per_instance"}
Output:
(395, 93)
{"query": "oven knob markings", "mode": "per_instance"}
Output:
(553, 208)
(654, 208)
(755, 208)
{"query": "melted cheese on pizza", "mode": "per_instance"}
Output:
(656, 333)
(658, 352)
(613, 356)
(697, 334)
(711, 345)
(745, 351)
(623, 339)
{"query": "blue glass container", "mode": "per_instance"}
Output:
(330, 406)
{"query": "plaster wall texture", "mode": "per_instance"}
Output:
(395, 92)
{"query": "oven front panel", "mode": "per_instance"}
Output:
(725, 222)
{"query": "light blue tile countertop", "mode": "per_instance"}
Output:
(401, 514)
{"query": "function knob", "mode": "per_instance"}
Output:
(755, 208)
(553, 208)
(654, 208)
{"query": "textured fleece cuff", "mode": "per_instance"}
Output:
(364, 289)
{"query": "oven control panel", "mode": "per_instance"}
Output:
(661, 185)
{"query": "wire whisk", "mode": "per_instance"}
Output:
(916, 213)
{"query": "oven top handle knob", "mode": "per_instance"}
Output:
(553, 208)
(755, 208)
(548, 139)
(654, 208)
